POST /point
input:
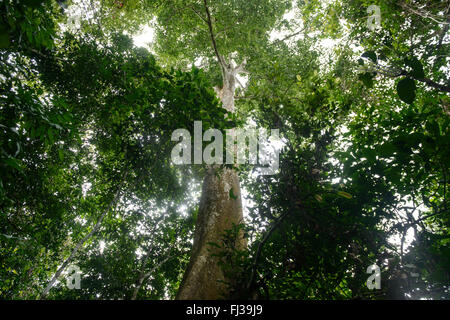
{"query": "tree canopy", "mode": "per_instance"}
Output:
(86, 119)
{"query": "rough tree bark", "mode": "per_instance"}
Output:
(218, 211)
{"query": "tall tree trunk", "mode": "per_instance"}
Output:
(219, 209)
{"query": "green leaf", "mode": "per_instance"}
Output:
(34, 3)
(12, 163)
(213, 244)
(433, 128)
(417, 68)
(29, 34)
(406, 89)
(61, 154)
(51, 137)
(344, 194)
(371, 55)
(232, 196)
(367, 79)
(386, 149)
(4, 40)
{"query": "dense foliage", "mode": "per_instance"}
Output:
(86, 120)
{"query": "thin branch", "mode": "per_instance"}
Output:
(144, 276)
(240, 68)
(424, 14)
(198, 14)
(397, 73)
(433, 84)
(292, 35)
(443, 33)
(13, 237)
(213, 39)
(239, 83)
(261, 244)
(45, 56)
(82, 242)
